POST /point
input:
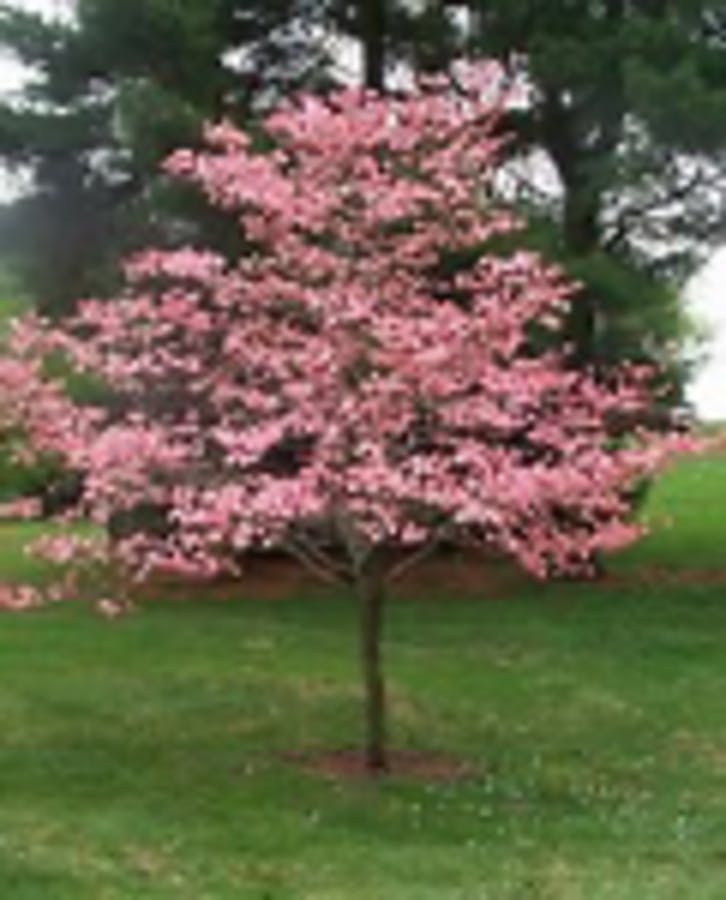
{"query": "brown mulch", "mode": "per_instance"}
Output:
(465, 576)
(350, 765)
(462, 574)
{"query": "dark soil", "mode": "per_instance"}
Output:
(464, 574)
(419, 765)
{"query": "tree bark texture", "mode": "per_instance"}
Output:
(372, 25)
(371, 596)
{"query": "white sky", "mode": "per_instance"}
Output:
(706, 292)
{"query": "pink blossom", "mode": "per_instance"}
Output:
(329, 389)
(111, 609)
(18, 598)
(22, 508)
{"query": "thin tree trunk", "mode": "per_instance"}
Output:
(371, 595)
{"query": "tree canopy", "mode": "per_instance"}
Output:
(623, 108)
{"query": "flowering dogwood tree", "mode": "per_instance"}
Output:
(340, 391)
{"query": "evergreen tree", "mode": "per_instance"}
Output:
(114, 91)
(626, 105)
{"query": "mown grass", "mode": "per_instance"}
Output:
(686, 514)
(144, 758)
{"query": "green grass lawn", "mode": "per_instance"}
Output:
(144, 758)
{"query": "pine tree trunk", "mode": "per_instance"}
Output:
(371, 595)
(372, 26)
(582, 238)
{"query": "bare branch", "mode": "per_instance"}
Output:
(427, 549)
(677, 193)
(316, 562)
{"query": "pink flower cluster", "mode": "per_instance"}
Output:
(22, 508)
(340, 389)
(19, 598)
(64, 548)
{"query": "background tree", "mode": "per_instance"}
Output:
(113, 90)
(326, 393)
(621, 144)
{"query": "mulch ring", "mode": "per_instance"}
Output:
(350, 765)
(463, 575)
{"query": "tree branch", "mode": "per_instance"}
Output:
(634, 213)
(420, 554)
(317, 562)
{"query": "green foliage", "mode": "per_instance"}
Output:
(12, 301)
(18, 480)
(84, 388)
(115, 91)
(638, 317)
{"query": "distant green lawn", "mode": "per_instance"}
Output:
(687, 515)
(142, 758)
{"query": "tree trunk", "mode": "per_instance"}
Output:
(371, 595)
(582, 237)
(372, 27)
